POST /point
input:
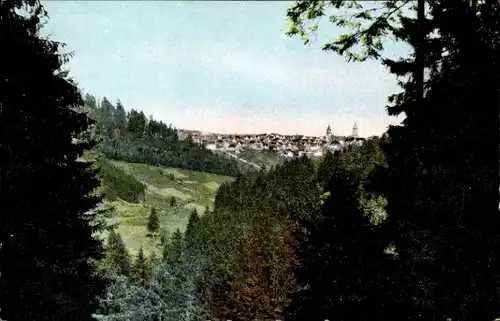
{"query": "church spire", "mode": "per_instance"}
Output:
(328, 130)
(355, 130)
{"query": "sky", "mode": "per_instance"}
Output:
(220, 66)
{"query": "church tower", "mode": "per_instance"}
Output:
(328, 134)
(355, 131)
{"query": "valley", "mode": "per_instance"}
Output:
(191, 190)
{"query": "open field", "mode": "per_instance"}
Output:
(192, 190)
(261, 158)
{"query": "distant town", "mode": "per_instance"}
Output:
(284, 145)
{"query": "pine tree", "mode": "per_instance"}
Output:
(121, 118)
(192, 230)
(342, 260)
(440, 208)
(153, 262)
(107, 118)
(172, 201)
(166, 250)
(136, 123)
(49, 208)
(107, 110)
(141, 269)
(118, 256)
(90, 101)
(326, 168)
(172, 250)
(153, 221)
(164, 237)
(442, 199)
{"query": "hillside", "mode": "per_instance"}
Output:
(262, 158)
(132, 189)
(133, 137)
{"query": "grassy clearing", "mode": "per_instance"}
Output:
(191, 190)
(261, 157)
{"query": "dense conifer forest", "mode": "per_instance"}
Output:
(132, 137)
(403, 227)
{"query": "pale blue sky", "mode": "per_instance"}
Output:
(219, 66)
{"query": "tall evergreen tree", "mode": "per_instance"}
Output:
(118, 256)
(153, 221)
(90, 101)
(153, 262)
(192, 229)
(342, 260)
(136, 123)
(326, 168)
(107, 110)
(121, 117)
(173, 249)
(442, 208)
(141, 267)
(49, 210)
(442, 199)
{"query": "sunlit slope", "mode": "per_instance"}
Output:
(191, 190)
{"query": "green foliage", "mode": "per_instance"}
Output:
(153, 221)
(172, 293)
(141, 268)
(368, 26)
(121, 118)
(173, 201)
(262, 158)
(259, 206)
(342, 260)
(49, 205)
(153, 262)
(323, 197)
(173, 249)
(164, 238)
(326, 167)
(248, 240)
(118, 184)
(117, 256)
(133, 138)
(192, 229)
(132, 219)
(435, 188)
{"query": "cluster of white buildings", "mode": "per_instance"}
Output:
(283, 145)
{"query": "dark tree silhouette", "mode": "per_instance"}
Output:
(117, 256)
(342, 260)
(153, 221)
(49, 212)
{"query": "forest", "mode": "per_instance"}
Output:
(132, 137)
(403, 227)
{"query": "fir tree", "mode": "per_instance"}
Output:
(141, 267)
(167, 248)
(342, 260)
(118, 256)
(164, 237)
(121, 117)
(442, 202)
(153, 262)
(326, 168)
(173, 201)
(49, 209)
(172, 250)
(192, 229)
(153, 221)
